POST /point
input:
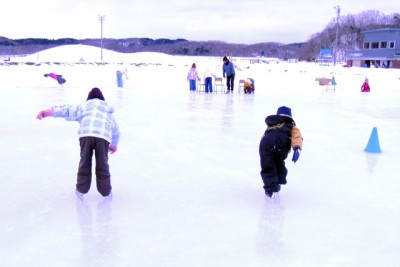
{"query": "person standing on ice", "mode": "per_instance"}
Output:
(228, 71)
(208, 80)
(365, 86)
(192, 77)
(120, 83)
(98, 133)
(281, 135)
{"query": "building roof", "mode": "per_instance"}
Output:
(382, 30)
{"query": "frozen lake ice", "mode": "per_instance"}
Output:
(186, 184)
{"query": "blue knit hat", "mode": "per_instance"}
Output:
(284, 111)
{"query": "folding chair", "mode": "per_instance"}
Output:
(241, 85)
(201, 86)
(218, 83)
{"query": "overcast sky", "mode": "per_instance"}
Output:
(234, 21)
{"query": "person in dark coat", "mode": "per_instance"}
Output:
(281, 135)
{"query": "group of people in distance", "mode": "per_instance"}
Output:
(228, 72)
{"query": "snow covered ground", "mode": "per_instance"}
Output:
(186, 183)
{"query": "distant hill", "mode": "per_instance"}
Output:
(172, 47)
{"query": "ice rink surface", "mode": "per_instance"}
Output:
(186, 184)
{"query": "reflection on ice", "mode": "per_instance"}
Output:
(372, 160)
(97, 236)
(271, 246)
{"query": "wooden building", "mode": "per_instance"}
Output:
(381, 49)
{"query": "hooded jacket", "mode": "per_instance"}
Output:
(365, 87)
(95, 118)
(282, 132)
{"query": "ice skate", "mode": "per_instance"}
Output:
(79, 195)
(109, 197)
(271, 195)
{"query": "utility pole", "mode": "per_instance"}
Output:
(101, 19)
(337, 34)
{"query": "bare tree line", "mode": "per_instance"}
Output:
(350, 33)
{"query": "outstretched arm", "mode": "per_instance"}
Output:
(45, 113)
(68, 112)
(297, 139)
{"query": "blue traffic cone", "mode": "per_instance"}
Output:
(373, 143)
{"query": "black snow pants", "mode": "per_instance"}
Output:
(230, 82)
(103, 178)
(273, 170)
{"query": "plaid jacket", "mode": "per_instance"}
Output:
(95, 117)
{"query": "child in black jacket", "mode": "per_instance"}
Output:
(280, 136)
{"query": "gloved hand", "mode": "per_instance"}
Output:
(112, 149)
(296, 154)
(45, 113)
